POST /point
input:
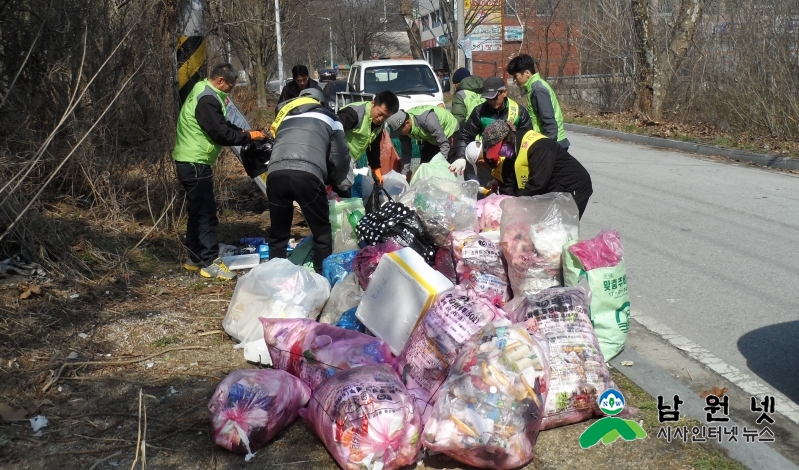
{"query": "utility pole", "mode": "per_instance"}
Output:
(330, 23)
(461, 13)
(279, 41)
(190, 47)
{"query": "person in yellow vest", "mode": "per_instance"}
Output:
(202, 130)
(363, 127)
(496, 107)
(542, 103)
(310, 152)
(531, 164)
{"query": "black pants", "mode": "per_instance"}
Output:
(202, 241)
(285, 187)
(428, 151)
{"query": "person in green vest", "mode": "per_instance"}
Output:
(433, 125)
(363, 127)
(202, 130)
(468, 95)
(497, 107)
(542, 103)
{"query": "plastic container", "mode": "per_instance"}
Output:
(263, 251)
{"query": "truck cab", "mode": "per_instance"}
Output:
(413, 81)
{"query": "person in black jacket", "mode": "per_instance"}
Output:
(309, 152)
(530, 164)
(300, 81)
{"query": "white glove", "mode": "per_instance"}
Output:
(406, 168)
(458, 166)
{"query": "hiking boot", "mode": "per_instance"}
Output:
(217, 270)
(191, 265)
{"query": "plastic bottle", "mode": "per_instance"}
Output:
(354, 218)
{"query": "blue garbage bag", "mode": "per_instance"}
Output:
(336, 266)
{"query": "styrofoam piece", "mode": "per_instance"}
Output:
(402, 288)
(250, 260)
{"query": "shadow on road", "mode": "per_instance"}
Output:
(771, 353)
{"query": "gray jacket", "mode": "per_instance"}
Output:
(311, 139)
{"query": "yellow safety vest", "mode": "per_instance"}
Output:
(286, 109)
(522, 165)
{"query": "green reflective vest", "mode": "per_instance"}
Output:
(359, 138)
(472, 100)
(193, 145)
(536, 80)
(448, 122)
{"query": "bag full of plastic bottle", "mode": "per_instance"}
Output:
(366, 419)
(444, 206)
(344, 296)
(433, 346)
(479, 266)
(314, 351)
(490, 410)
(579, 373)
(249, 407)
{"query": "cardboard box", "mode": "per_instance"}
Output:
(402, 288)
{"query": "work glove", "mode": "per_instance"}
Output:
(492, 187)
(256, 135)
(458, 166)
(378, 176)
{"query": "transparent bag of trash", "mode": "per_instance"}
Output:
(490, 409)
(579, 373)
(275, 289)
(366, 419)
(533, 231)
(344, 296)
(249, 407)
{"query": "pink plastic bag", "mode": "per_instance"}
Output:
(366, 419)
(489, 411)
(602, 251)
(489, 212)
(249, 407)
(424, 363)
(366, 260)
(314, 351)
(478, 265)
(579, 373)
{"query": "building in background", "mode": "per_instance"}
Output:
(494, 29)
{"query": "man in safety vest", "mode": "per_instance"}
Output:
(468, 95)
(202, 130)
(433, 125)
(530, 164)
(498, 107)
(309, 153)
(363, 126)
(542, 103)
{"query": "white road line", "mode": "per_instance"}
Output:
(783, 405)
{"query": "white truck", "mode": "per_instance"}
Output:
(413, 81)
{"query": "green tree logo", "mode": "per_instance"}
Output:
(609, 429)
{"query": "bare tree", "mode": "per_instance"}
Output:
(657, 66)
(412, 30)
(356, 24)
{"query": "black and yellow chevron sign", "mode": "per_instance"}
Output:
(191, 63)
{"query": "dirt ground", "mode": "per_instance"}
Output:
(134, 356)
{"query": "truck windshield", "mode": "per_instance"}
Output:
(406, 79)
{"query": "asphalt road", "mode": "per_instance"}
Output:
(712, 249)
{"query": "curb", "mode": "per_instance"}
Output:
(655, 381)
(770, 161)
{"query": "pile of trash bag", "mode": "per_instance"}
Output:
(444, 322)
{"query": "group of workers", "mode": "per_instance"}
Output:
(510, 148)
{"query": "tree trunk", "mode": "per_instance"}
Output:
(412, 30)
(656, 71)
(645, 58)
(261, 83)
(671, 58)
